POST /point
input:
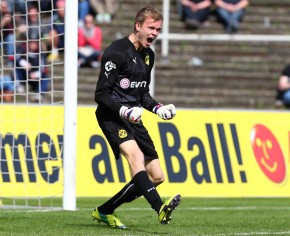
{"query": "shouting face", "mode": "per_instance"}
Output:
(148, 31)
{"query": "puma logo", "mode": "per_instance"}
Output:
(150, 189)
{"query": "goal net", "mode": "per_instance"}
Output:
(31, 103)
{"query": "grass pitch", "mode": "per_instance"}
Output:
(195, 216)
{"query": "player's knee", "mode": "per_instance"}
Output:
(158, 179)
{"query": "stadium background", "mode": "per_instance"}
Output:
(234, 74)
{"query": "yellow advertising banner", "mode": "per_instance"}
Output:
(31, 139)
(204, 153)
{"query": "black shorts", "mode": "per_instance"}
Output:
(118, 130)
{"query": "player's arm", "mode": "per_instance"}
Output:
(111, 62)
(165, 112)
(146, 100)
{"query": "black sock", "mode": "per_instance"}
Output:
(148, 190)
(127, 194)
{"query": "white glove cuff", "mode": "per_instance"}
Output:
(122, 111)
(157, 107)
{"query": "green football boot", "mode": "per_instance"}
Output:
(167, 208)
(111, 219)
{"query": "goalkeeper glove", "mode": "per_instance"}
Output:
(165, 112)
(131, 114)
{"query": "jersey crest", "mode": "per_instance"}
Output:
(122, 133)
(110, 65)
(147, 59)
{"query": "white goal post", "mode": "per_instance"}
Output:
(70, 105)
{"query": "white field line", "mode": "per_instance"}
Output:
(239, 208)
(247, 234)
(212, 208)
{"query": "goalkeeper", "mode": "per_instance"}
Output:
(121, 93)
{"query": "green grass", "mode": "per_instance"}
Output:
(195, 216)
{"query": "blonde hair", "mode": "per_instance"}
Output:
(147, 12)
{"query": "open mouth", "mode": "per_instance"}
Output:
(150, 40)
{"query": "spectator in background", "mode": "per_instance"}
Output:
(89, 43)
(104, 9)
(30, 70)
(231, 13)
(194, 12)
(6, 88)
(56, 34)
(17, 6)
(283, 90)
(84, 9)
(47, 5)
(34, 27)
(7, 33)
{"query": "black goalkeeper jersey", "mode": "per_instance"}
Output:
(125, 77)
